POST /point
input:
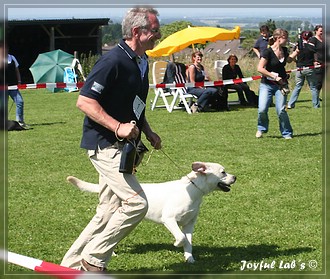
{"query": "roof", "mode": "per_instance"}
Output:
(101, 21)
(224, 48)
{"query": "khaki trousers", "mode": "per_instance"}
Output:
(122, 205)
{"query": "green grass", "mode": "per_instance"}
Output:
(273, 213)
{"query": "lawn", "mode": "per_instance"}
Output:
(273, 214)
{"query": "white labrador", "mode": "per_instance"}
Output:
(176, 203)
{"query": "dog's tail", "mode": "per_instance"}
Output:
(83, 185)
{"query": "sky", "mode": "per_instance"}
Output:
(20, 12)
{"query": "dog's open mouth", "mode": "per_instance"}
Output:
(224, 187)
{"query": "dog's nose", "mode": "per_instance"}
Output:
(234, 177)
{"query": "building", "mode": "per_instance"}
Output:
(28, 38)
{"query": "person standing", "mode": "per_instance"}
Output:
(262, 42)
(113, 99)
(305, 58)
(274, 83)
(13, 77)
(319, 57)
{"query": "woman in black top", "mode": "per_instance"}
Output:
(233, 71)
(274, 77)
(319, 57)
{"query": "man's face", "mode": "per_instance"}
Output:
(264, 34)
(150, 35)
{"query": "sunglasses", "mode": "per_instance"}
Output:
(153, 30)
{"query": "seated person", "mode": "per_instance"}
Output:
(205, 95)
(233, 71)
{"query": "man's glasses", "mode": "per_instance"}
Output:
(153, 31)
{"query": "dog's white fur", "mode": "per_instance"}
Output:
(176, 203)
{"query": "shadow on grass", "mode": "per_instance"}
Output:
(215, 260)
(299, 135)
(47, 124)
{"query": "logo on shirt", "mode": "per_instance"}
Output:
(97, 87)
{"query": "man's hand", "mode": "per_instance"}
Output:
(154, 140)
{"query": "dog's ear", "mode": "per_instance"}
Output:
(199, 167)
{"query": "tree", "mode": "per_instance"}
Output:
(111, 33)
(271, 25)
(173, 27)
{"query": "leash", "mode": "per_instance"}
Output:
(176, 165)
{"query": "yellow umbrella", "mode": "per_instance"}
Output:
(192, 35)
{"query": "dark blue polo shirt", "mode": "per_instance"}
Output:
(115, 82)
(261, 44)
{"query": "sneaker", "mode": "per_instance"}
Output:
(288, 137)
(194, 108)
(85, 266)
(259, 134)
(23, 124)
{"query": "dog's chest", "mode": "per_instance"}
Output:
(186, 213)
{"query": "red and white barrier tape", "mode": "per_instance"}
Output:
(167, 85)
(46, 85)
(222, 82)
(305, 68)
(55, 270)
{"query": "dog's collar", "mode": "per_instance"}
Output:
(193, 183)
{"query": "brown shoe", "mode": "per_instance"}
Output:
(91, 268)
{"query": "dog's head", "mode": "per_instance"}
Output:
(211, 176)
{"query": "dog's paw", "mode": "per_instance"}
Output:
(190, 259)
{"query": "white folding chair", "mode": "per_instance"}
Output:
(180, 93)
(158, 73)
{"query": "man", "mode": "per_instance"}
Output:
(113, 99)
(13, 77)
(262, 42)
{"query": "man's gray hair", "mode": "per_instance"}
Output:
(136, 17)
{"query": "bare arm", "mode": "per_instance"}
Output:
(256, 51)
(152, 137)
(292, 56)
(18, 75)
(94, 111)
(262, 70)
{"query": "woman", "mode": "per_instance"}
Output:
(233, 71)
(196, 73)
(319, 57)
(274, 78)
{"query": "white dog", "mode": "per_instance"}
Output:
(176, 203)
